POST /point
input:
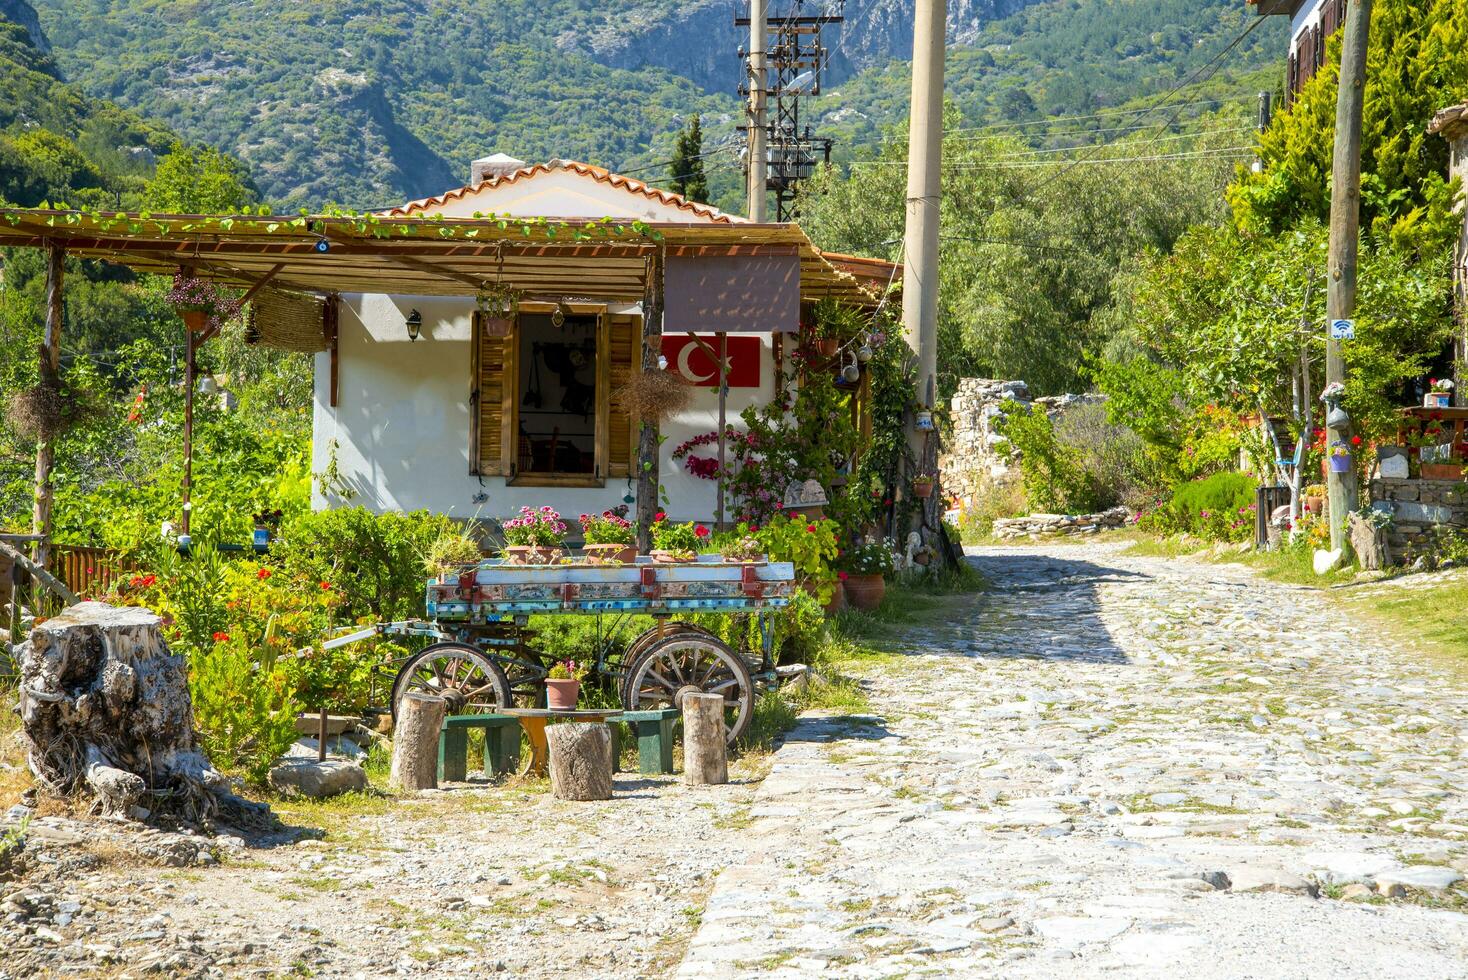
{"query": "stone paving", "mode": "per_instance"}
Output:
(1115, 764)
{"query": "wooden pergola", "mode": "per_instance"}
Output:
(607, 259)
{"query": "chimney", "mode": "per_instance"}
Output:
(494, 165)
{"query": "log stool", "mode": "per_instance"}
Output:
(580, 760)
(501, 746)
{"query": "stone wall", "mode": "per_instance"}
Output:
(1045, 525)
(973, 458)
(1417, 507)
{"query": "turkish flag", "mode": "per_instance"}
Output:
(687, 358)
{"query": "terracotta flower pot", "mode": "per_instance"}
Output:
(561, 693)
(195, 320)
(669, 558)
(827, 346)
(1442, 471)
(865, 592)
(523, 554)
(1314, 505)
(922, 489)
(624, 553)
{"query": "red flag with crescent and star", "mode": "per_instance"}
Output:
(688, 359)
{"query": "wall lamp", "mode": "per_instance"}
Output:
(414, 324)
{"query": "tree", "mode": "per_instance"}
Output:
(686, 173)
(200, 180)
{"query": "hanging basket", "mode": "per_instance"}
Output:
(196, 320)
(1340, 464)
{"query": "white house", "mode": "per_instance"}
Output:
(465, 422)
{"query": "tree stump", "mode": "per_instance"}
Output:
(415, 742)
(1370, 544)
(705, 751)
(106, 710)
(580, 760)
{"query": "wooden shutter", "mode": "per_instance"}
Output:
(623, 334)
(494, 373)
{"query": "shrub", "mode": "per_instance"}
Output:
(808, 544)
(245, 711)
(1218, 507)
(1121, 468)
(1053, 474)
(374, 562)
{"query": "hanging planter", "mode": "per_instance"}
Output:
(201, 304)
(827, 346)
(922, 487)
(1340, 460)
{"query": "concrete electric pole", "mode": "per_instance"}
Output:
(924, 189)
(758, 81)
(1345, 223)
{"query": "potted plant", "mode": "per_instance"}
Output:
(1440, 393)
(563, 686)
(676, 542)
(922, 486)
(862, 574)
(1315, 498)
(609, 538)
(450, 552)
(534, 538)
(743, 550)
(1449, 467)
(200, 303)
(1340, 458)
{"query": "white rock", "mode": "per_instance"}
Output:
(1076, 930)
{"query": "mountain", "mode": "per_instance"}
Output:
(56, 142)
(370, 103)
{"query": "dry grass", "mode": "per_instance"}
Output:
(655, 395)
(14, 777)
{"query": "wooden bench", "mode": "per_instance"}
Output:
(501, 746)
(654, 733)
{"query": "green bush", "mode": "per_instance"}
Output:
(374, 562)
(1218, 507)
(1053, 473)
(245, 710)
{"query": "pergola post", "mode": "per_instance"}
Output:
(648, 438)
(50, 369)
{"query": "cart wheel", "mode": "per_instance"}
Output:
(470, 682)
(645, 640)
(692, 661)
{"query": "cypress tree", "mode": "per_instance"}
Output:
(686, 174)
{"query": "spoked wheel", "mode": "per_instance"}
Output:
(644, 641)
(470, 682)
(697, 662)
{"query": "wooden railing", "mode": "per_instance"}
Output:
(87, 571)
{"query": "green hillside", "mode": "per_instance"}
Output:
(371, 103)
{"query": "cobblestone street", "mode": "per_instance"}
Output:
(1140, 766)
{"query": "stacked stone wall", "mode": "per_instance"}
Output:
(1417, 508)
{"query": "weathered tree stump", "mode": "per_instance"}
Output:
(1370, 544)
(705, 751)
(415, 742)
(106, 710)
(580, 760)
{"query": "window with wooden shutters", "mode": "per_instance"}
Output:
(493, 408)
(527, 423)
(624, 333)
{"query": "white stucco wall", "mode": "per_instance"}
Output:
(402, 421)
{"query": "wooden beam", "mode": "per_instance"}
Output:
(648, 441)
(213, 331)
(44, 579)
(49, 373)
(331, 325)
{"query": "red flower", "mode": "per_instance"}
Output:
(659, 516)
(221, 637)
(753, 528)
(325, 586)
(810, 528)
(701, 531)
(263, 574)
(1355, 440)
(842, 576)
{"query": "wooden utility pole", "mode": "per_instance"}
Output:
(758, 79)
(50, 373)
(1345, 224)
(647, 440)
(924, 189)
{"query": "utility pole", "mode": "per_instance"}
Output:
(924, 187)
(1345, 224)
(758, 80)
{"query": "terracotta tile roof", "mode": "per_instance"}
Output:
(599, 174)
